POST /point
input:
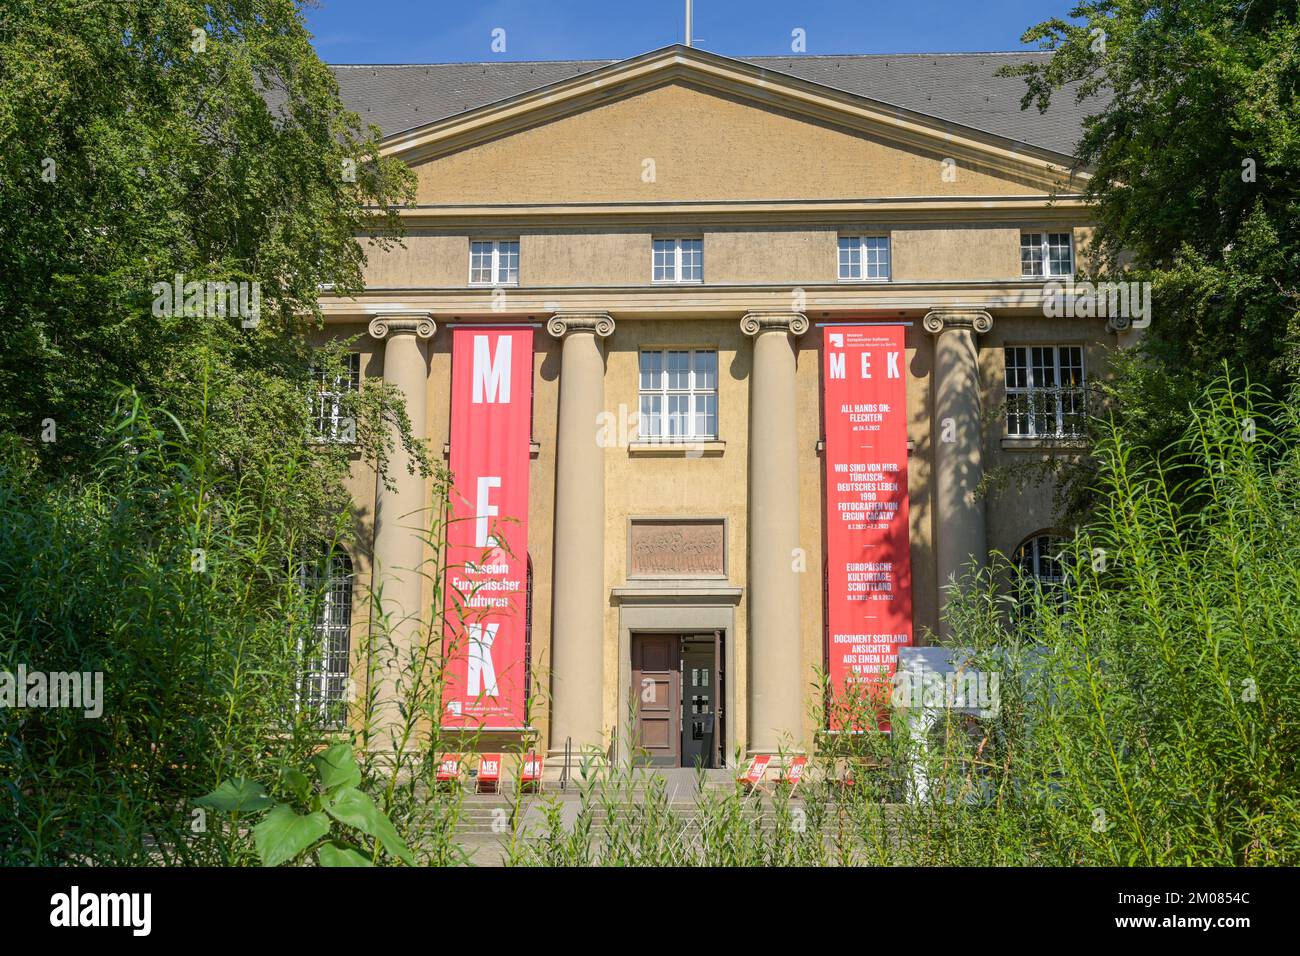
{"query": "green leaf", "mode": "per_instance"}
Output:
(355, 809)
(337, 767)
(331, 855)
(296, 782)
(284, 834)
(237, 796)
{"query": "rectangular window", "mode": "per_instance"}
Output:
(325, 660)
(494, 262)
(331, 419)
(864, 258)
(1045, 396)
(677, 260)
(679, 395)
(1046, 254)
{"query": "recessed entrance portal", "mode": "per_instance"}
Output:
(679, 687)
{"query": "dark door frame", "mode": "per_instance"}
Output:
(661, 607)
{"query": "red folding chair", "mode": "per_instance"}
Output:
(793, 773)
(530, 774)
(752, 779)
(449, 769)
(489, 774)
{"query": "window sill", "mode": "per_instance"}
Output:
(534, 449)
(676, 449)
(1017, 443)
(885, 280)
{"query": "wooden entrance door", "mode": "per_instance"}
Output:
(656, 683)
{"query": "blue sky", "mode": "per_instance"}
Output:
(437, 31)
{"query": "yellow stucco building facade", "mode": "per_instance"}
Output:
(685, 209)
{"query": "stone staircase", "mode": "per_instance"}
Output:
(485, 820)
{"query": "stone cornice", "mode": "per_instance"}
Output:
(1039, 208)
(793, 323)
(561, 324)
(420, 324)
(976, 320)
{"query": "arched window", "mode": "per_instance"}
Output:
(1039, 558)
(326, 662)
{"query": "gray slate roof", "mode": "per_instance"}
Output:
(960, 88)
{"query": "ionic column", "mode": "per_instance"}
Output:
(578, 590)
(775, 673)
(958, 448)
(402, 518)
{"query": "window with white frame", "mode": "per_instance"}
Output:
(332, 421)
(1045, 391)
(325, 654)
(677, 260)
(864, 258)
(494, 262)
(679, 395)
(1046, 254)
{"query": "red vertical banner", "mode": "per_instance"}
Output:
(485, 627)
(868, 550)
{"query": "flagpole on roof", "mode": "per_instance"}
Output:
(688, 22)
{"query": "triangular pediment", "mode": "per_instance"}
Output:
(683, 125)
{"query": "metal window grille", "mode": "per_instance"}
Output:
(1045, 391)
(325, 662)
(330, 419)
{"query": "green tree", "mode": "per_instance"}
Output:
(141, 140)
(1194, 155)
(158, 494)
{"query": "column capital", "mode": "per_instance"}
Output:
(562, 323)
(792, 323)
(940, 320)
(420, 324)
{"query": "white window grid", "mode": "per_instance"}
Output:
(1046, 255)
(864, 258)
(678, 395)
(677, 260)
(324, 688)
(494, 262)
(1045, 391)
(330, 419)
